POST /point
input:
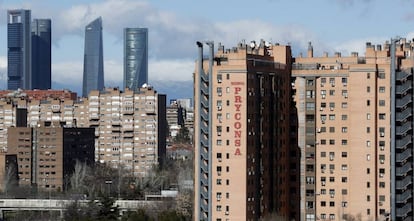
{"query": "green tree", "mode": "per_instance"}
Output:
(183, 135)
(107, 209)
(139, 215)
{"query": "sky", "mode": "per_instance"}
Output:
(175, 26)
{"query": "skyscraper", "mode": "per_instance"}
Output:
(135, 57)
(41, 54)
(93, 68)
(19, 49)
(246, 155)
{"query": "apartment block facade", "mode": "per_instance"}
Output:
(130, 126)
(246, 155)
(355, 133)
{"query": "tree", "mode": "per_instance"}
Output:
(107, 210)
(183, 135)
(170, 215)
(139, 215)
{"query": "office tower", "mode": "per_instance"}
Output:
(355, 133)
(41, 54)
(47, 155)
(93, 68)
(135, 57)
(246, 155)
(19, 49)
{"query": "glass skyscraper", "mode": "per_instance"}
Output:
(135, 57)
(41, 54)
(93, 69)
(19, 49)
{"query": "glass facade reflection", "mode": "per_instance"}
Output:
(41, 54)
(19, 49)
(93, 71)
(135, 57)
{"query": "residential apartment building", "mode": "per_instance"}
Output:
(130, 126)
(355, 133)
(246, 155)
(46, 155)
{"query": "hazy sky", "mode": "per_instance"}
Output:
(175, 25)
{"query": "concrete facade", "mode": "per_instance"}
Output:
(245, 145)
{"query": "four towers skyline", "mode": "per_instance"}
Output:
(29, 54)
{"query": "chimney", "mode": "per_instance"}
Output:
(310, 50)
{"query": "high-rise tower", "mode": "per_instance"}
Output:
(246, 155)
(93, 68)
(135, 57)
(19, 49)
(41, 54)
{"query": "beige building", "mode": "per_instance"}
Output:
(129, 126)
(246, 155)
(346, 132)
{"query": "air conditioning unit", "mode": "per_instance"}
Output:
(332, 108)
(323, 183)
(382, 161)
(227, 213)
(321, 108)
(333, 84)
(332, 195)
(323, 96)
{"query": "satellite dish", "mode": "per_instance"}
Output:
(253, 44)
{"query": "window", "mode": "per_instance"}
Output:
(345, 93)
(219, 105)
(344, 129)
(323, 80)
(368, 143)
(310, 94)
(382, 184)
(344, 117)
(219, 78)
(368, 198)
(344, 192)
(344, 179)
(323, 118)
(331, 179)
(368, 130)
(218, 208)
(344, 154)
(323, 129)
(219, 91)
(323, 216)
(368, 184)
(381, 102)
(344, 105)
(382, 131)
(323, 191)
(381, 89)
(310, 106)
(323, 104)
(368, 89)
(218, 142)
(344, 81)
(332, 216)
(323, 154)
(381, 172)
(344, 142)
(368, 102)
(331, 105)
(381, 75)
(331, 129)
(382, 158)
(344, 204)
(368, 171)
(323, 203)
(309, 82)
(218, 181)
(368, 75)
(323, 142)
(219, 156)
(218, 196)
(332, 204)
(344, 167)
(331, 142)
(382, 116)
(332, 92)
(331, 116)
(332, 81)
(368, 116)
